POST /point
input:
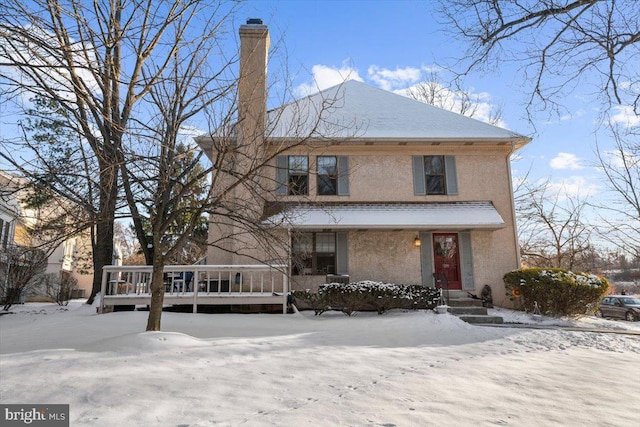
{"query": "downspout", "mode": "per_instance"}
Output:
(513, 205)
(286, 284)
(289, 251)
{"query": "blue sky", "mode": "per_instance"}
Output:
(384, 43)
(389, 44)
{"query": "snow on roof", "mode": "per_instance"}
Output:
(458, 215)
(357, 110)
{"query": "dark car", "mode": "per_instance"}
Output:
(621, 306)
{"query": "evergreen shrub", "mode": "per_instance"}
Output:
(556, 291)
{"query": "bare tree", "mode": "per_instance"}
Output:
(59, 286)
(431, 90)
(551, 233)
(98, 62)
(621, 165)
(20, 266)
(561, 47)
(132, 112)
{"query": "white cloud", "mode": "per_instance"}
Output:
(624, 114)
(484, 111)
(621, 159)
(325, 77)
(570, 116)
(565, 161)
(393, 79)
(574, 187)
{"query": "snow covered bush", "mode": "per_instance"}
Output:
(557, 292)
(313, 300)
(367, 296)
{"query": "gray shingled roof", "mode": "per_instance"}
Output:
(357, 110)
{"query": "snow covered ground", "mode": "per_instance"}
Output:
(400, 369)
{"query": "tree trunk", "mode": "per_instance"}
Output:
(103, 246)
(157, 297)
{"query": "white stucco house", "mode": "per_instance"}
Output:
(352, 183)
(384, 188)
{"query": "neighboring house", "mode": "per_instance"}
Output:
(63, 255)
(386, 188)
(9, 212)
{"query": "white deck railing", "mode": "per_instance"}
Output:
(193, 284)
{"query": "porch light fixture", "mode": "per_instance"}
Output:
(416, 242)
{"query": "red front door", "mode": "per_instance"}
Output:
(446, 259)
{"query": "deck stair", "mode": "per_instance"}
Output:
(469, 309)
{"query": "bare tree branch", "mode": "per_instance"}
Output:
(559, 45)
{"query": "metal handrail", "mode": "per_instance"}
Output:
(440, 277)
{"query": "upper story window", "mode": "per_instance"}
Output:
(5, 234)
(327, 175)
(292, 175)
(298, 173)
(434, 175)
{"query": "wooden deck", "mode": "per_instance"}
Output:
(197, 285)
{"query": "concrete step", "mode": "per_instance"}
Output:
(464, 302)
(458, 310)
(468, 309)
(455, 294)
(481, 319)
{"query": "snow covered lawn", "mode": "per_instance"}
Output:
(400, 369)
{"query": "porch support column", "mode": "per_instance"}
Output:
(466, 261)
(426, 258)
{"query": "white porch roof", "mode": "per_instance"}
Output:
(390, 216)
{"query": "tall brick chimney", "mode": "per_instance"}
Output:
(252, 87)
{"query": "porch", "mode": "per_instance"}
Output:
(197, 285)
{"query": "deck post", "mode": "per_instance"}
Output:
(194, 284)
(103, 290)
(285, 292)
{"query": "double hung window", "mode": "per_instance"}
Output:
(434, 175)
(314, 253)
(327, 175)
(292, 176)
(298, 173)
